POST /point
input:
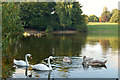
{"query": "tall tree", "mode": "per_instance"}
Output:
(37, 15)
(11, 21)
(115, 17)
(105, 15)
(112, 12)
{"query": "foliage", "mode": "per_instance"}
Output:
(115, 17)
(86, 18)
(112, 12)
(57, 16)
(37, 15)
(10, 18)
(105, 15)
(11, 24)
(49, 29)
(77, 18)
(82, 27)
(93, 18)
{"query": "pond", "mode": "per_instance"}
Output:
(75, 46)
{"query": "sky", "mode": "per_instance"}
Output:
(95, 7)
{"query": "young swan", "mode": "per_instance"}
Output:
(86, 60)
(91, 62)
(67, 60)
(97, 63)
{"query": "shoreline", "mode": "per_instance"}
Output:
(64, 32)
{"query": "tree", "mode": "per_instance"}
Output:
(37, 15)
(105, 15)
(113, 11)
(115, 17)
(70, 14)
(52, 16)
(93, 18)
(11, 21)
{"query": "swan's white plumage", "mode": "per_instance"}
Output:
(20, 62)
(40, 67)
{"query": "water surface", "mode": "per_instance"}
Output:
(101, 47)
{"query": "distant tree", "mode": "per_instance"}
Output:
(93, 18)
(115, 17)
(112, 12)
(86, 18)
(105, 15)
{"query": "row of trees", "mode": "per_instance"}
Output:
(50, 16)
(106, 16)
(45, 16)
(112, 16)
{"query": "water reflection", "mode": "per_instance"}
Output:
(26, 73)
(72, 45)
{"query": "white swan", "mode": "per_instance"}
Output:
(21, 62)
(42, 66)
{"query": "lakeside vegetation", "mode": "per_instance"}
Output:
(46, 17)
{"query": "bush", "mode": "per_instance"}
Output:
(49, 29)
(82, 27)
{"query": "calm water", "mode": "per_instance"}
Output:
(101, 47)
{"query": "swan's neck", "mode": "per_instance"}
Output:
(27, 64)
(49, 64)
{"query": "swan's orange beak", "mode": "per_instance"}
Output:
(30, 57)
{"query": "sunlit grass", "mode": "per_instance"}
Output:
(95, 26)
(101, 23)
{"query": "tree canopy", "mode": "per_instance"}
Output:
(93, 18)
(52, 16)
(105, 15)
(115, 17)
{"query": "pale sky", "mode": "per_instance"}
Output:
(95, 7)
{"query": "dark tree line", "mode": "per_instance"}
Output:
(50, 16)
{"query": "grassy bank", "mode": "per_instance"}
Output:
(104, 27)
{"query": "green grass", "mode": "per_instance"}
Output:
(101, 23)
(106, 27)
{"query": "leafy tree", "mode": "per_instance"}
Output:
(113, 11)
(52, 16)
(77, 17)
(37, 15)
(105, 15)
(70, 14)
(93, 18)
(11, 21)
(86, 18)
(115, 17)
(64, 10)
(11, 25)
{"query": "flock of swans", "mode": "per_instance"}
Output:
(86, 61)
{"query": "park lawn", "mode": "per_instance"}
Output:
(108, 27)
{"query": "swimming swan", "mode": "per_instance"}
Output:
(42, 66)
(96, 63)
(67, 60)
(21, 62)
